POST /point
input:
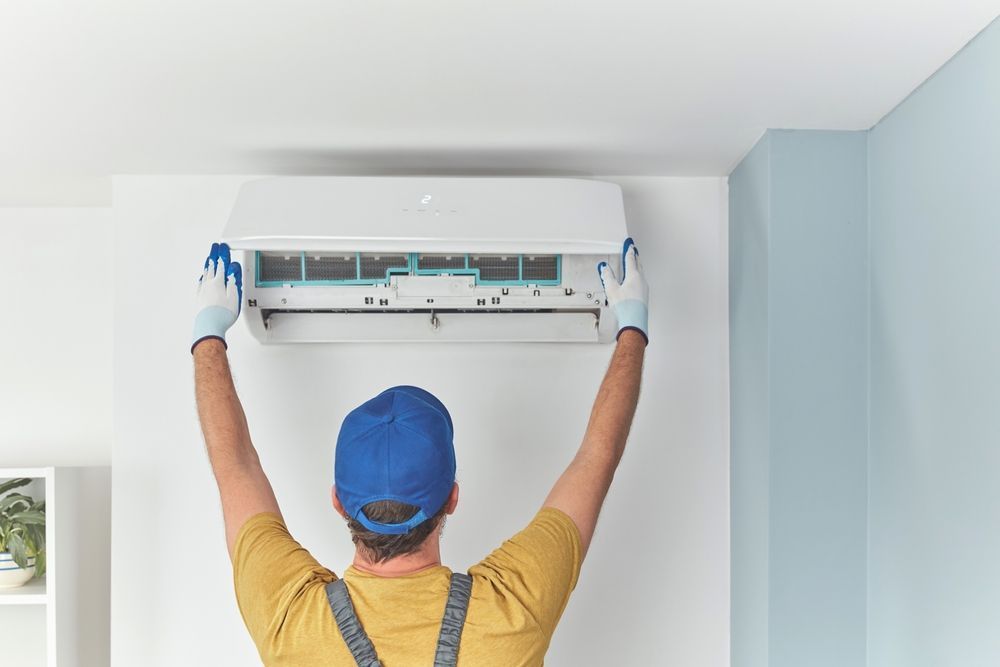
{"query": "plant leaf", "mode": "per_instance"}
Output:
(40, 564)
(13, 484)
(17, 551)
(29, 516)
(8, 503)
(35, 541)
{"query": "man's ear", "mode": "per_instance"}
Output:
(452, 502)
(336, 502)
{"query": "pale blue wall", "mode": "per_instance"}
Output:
(818, 341)
(886, 318)
(749, 187)
(798, 322)
(934, 513)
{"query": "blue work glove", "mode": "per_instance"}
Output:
(630, 297)
(220, 295)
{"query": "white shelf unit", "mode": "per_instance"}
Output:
(33, 592)
(72, 519)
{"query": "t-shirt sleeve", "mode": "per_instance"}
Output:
(270, 572)
(538, 568)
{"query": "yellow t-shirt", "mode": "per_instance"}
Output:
(518, 594)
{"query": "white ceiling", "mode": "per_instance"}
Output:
(89, 89)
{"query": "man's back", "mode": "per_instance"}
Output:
(518, 594)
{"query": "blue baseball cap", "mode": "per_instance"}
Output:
(396, 446)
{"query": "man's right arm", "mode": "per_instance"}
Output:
(581, 489)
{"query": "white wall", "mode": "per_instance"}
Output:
(55, 384)
(56, 337)
(657, 577)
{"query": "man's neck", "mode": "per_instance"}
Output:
(429, 556)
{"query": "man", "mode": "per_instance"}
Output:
(394, 482)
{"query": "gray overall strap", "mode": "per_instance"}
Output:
(350, 627)
(453, 621)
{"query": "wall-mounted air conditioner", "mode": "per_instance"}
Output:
(423, 259)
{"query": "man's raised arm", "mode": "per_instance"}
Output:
(581, 489)
(243, 487)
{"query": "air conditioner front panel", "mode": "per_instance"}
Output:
(428, 214)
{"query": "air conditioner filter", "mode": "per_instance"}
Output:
(495, 268)
(439, 262)
(376, 267)
(280, 268)
(539, 267)
(331, 267)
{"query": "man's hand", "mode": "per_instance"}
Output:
(220, 295)
(630, 297)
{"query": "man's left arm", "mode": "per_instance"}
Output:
(243, 486)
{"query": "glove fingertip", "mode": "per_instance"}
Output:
(236, 271)
(629, 243)
(632, 258)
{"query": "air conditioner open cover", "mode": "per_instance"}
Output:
(424, 259)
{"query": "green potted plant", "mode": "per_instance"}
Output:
(22, 535)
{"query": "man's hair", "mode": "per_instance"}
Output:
(377, 547)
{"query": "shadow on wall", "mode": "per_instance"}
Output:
(506, 161)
